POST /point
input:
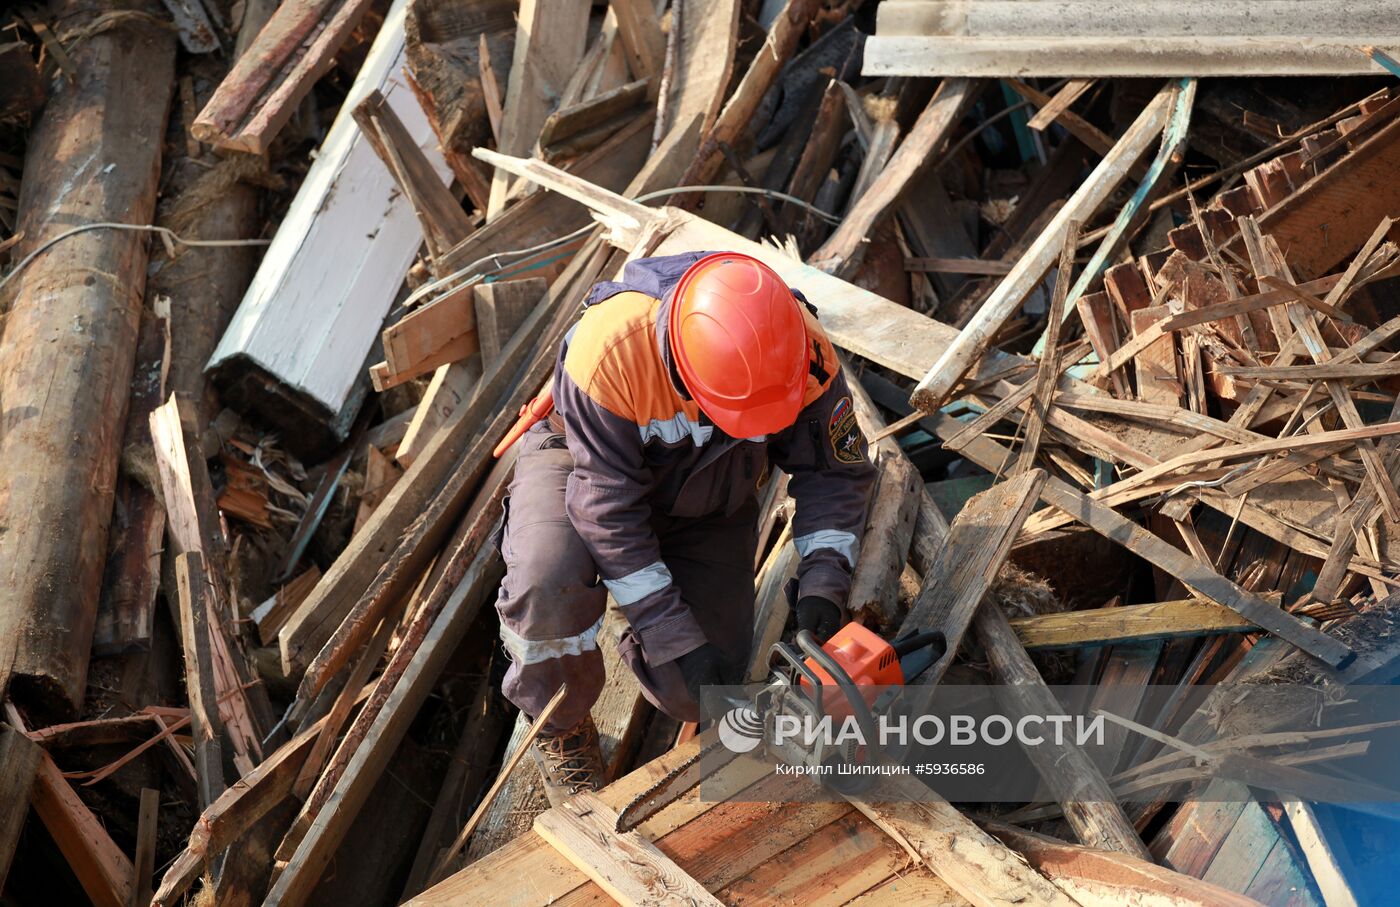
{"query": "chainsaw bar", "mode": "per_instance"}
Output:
(674, 784)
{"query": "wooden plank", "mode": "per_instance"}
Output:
(957, 266)
(640, 32)
(193, 526)
(970, 861)
(1158, 378)
(438, 333)
(264, 87)
(1317, 851)
(1100, 878)
(206, 725)
(145, 863)
(439, 213)
(452, 386)
(501, 307)
(1016, 56)
(1072, 777)
(841, 253)
(66, 391)
(978, 543)
(20, 756)
(1062, 101)
(738, 112)
(273, 613)
(624, 864)
(298, 880)
(972, 343)
(1329, 371)
(1111, 525)
(1334, 213)
(549, 43)
(100, 866)
(1127, 624)
(1047, 372)
(295, 349)
(1143, 18)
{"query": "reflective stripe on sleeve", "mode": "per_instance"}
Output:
(843, 543)
(636, 586)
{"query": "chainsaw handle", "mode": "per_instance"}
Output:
(813, 650)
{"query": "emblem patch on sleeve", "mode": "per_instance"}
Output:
(847, 442)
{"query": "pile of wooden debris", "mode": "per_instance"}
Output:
(248, 491)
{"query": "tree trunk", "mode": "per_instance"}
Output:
(69, 344)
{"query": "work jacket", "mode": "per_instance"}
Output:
(640, 445)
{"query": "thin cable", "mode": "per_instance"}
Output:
(517, 255)
(165, 232)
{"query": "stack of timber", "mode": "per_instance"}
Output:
(279, 277)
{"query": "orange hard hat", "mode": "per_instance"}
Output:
(737, 336)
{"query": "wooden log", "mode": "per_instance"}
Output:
(21, 757)
(282, 357)
(841, 253)
(548, 47)
(1100, 878)
(624, 864)
(890, 518)
(92, 156)
(278, 69)
(1072, 777)
(126, 612)
(977, 545)
(974, 341)
(199, 675)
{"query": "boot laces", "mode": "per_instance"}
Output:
(570, 758)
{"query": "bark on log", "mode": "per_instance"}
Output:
(69, 344)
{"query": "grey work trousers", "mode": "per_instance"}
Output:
(552, 601)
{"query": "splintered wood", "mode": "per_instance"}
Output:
(1122, 337)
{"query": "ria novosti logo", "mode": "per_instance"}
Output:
(741, 730)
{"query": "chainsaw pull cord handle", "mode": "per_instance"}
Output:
(809, 646)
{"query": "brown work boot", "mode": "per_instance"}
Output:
(569, 763)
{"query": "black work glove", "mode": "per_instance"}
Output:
(702, 667)
(820, 616)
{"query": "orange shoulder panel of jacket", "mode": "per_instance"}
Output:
(613, 359)
(820, 345)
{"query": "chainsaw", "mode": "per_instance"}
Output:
(856, 674)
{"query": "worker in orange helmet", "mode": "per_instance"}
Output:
(672, 395)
